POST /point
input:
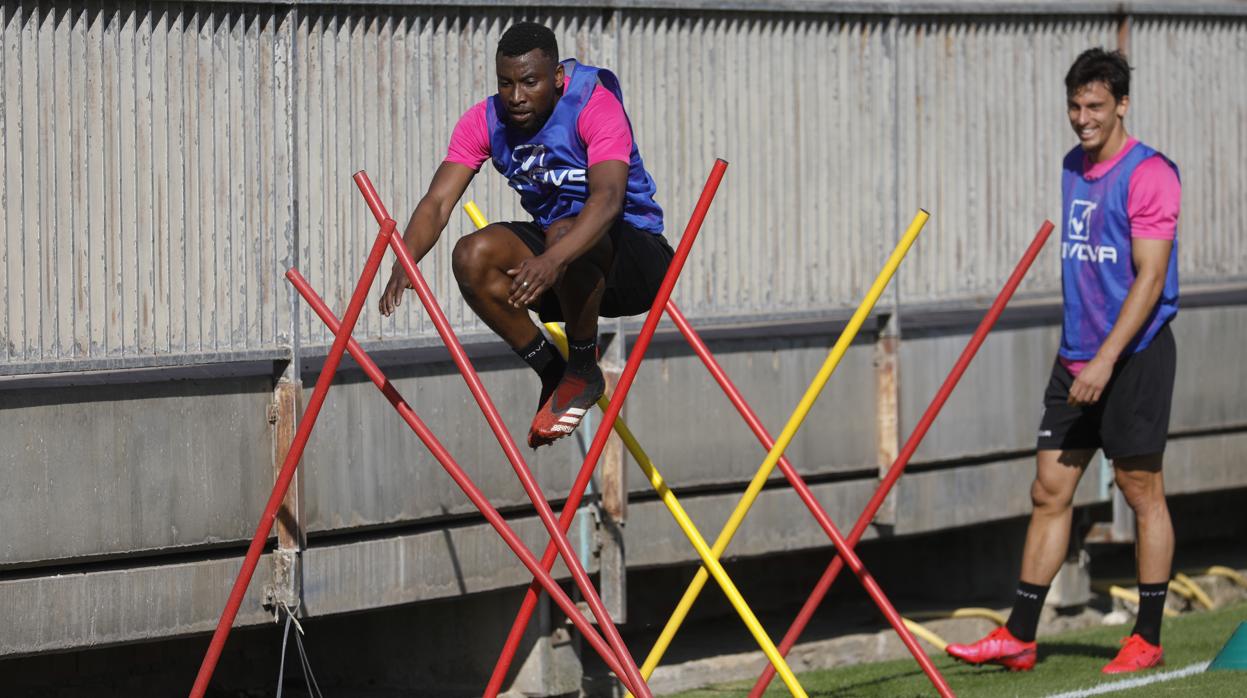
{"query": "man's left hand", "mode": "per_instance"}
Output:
(533, 277)
(1089, 384)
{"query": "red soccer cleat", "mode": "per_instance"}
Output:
(999, 647)
(562, 412)
(1136, 654)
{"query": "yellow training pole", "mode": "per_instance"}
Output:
(694, 536)
(474, 212)
(785, 437)
(677, 511)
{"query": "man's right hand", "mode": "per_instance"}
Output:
(392, 297)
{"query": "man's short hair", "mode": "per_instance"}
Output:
(521, 38)
(1098, 65)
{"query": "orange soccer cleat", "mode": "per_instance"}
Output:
(999, 647)
(562, 411)
(1136, 654)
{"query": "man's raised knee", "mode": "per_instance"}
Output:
(475, 254)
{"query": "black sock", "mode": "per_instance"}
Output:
(1026, 607)
(582, 355)
(542, 357)
(1151, 610)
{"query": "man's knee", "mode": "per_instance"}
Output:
(1050, 497)
(474, 256)
(1142, 486)
(1056, 477)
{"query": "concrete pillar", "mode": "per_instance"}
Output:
(552, 666)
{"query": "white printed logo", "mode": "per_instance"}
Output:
(533, 171)
(537, 152)
(1080, 219)
(1077, 246)
(1086, 252)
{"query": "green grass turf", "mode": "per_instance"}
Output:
(1067, 662)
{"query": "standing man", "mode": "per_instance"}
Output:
(1112, 382)
(559, 133)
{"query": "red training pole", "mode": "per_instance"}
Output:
(907, 452)
(286, 474)
(608, 419)
(458, 475)
(631, 677)
(811, 502)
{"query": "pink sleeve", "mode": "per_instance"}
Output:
(604, 128)
(469, 142)
(1154, 200)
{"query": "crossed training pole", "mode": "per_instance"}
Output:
(843, 547)
(388, 235)
(612, 650)
(635, 357)
(443, 457)
(907, 451)
(560, 543)
(712, 568)
(668, 498)
(775, 456)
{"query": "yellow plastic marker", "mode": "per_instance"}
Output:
(1179, 588)
(1200, 595)
(785, 437)
(985, 613)
(1228, 573)
(1181, 585)
(968, 612)
(926, 634)
(677, 511)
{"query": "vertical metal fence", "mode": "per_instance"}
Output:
(146, 202)
(161, 164)
(1188, 100)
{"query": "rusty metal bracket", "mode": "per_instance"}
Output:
(285, 585)
(614, 501)
(887, 410)
(286, 582)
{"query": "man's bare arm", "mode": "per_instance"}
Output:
(426, 225)
(1151, 263)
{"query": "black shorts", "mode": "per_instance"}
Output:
(640, 263)
(1132, 415)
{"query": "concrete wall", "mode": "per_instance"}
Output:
(108, 483)
(102, 471)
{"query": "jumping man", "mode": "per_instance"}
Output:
(559, 133)
(1112, 381)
